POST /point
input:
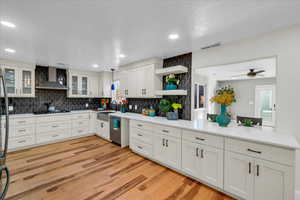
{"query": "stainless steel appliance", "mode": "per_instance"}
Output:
(115, 130)
(4, 172)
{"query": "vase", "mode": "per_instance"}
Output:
(172, 115)
(123, 108)
(170, 86)
(223, 119)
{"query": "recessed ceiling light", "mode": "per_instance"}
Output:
(10, 50)
(95, 65)
(173, 36)
(8, 24)
(122, 56)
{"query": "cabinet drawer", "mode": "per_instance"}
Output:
(53, 136)
(80, 123)
(21, 142)
(142, 135)
(51, 127)
(166, 130)
(267, 152)
(203, 138)
(141, 125)
(23, 121)
(80, 131)
(141, 147)
(53, 118)
(81, 116)
(23, 131)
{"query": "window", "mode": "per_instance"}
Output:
(199, 97)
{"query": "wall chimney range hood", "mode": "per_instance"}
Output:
(53, 82)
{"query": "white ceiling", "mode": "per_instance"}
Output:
(81, 33)
(238, 71)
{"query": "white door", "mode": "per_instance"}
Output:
(173, 152)
(190, 158)
(211, 165)
(265, 105)
(272, 181)
(239, 175)
(159, 151)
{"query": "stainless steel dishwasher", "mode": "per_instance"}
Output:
(115, 130)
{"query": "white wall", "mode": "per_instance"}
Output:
(285, 44)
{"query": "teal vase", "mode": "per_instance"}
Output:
(123, 108)
(170, 86)
(223, 119)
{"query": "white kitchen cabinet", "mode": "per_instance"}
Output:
(272, 181)
(93, 122)
(19, 79)
(78, 84)
(94, 86)
(203, 162)
(257, 179)
(103, 129)
(105, 82)
(159, 152)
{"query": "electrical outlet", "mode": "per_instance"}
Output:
(10, 108)
(86, 105)
(135, 107)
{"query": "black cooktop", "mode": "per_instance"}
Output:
(50, 112)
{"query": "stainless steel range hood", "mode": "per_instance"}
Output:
(52, 83)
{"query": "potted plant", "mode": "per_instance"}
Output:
(172, 82)
(174, 115)
(104, 103)
(164, 106)
(224, 96)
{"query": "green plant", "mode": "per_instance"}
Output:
(171, 79)
(165, 105)
(176, 106)
(248, 122)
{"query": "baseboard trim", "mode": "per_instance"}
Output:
(297, 195)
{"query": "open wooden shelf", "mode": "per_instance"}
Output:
(179, 69)
(171, 92)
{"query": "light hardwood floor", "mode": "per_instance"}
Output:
(91, 168)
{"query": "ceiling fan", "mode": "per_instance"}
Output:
(252, 73)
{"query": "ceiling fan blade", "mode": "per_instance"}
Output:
(239, 75)
(260, 71)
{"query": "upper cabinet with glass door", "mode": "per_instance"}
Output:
(78, 83)
(19, 78)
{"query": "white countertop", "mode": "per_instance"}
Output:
(266, 135)
(50, 114)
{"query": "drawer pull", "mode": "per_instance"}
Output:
(167, 143)
(139, 125)
(139, 147)
(139, 134)
(21, 141)
(257, 170)
(21, 122)
(253, 151)
(165, 131)
(80, 131)
(54, 135)
(22, 130)
(54, 126)
(197, 152)
(249, 167)
(201, 139)
(202, 154)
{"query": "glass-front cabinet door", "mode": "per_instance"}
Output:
(84, 86)
(10, 76)
(27, 82)
(74, 85)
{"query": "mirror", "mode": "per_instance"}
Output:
(254, 84)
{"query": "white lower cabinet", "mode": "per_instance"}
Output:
(257, 179)
(203, 162)
(102, 129)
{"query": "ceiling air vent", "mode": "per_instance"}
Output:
(212, 46)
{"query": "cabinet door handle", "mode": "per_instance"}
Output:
(202, 154)
(140, 135)
(140, 147)
(201, 139)
(197, 152)
(165, 131)
(249, 167)
(163, 142)
(253, 151)
(257, 170)
(167, 143)
(21, 141)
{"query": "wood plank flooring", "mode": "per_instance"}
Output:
(92, 169)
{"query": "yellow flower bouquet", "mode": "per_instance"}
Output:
(224, 96)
